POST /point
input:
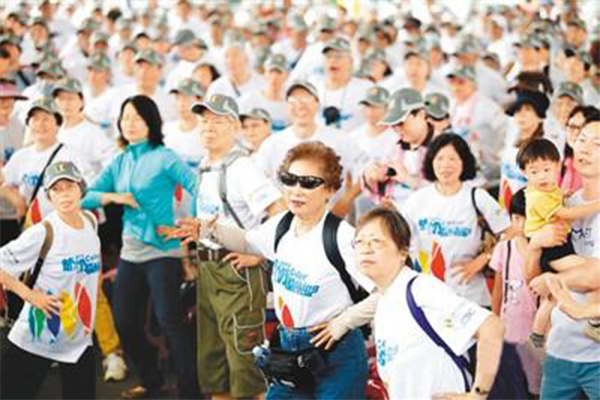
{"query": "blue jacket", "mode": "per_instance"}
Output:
(151, 175)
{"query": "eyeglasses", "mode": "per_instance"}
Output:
(573, 127)
(373, 244)
(306, 182)
(297, 100)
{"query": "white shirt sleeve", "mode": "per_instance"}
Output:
(21, 254)
(454, 318)
(496, 217)
(262, 238)
(258, 192)
(11, 171)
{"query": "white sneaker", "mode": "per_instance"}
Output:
(115, 368)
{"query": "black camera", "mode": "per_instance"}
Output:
(332, 115)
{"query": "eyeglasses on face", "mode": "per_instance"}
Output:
(372, 243)
(305, 181)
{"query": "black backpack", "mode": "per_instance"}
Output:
(332, 250)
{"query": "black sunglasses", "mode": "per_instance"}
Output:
(306, 182)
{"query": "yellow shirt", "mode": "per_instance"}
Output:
(540, 208)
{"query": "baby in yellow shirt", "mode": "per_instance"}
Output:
(540, 161)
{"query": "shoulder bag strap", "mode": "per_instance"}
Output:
(43, 253)
(283, 226)
(506, 270)
(485, 227)
(38, 185)
(229, 160)
(419, 316)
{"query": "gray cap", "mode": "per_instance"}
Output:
(303, 85)
(437, 105)
(40, 21)
(184, 36)
(10, 38)
(326, 23)
(276, 61)
(63, 170)
(98, 62)
(51, 68)
(47, 104)
(124, 23)
(339, 44)
(571, 89)
(402, 102)
(218, 104)
(150, 56)
(578, 22)
(468, 46)
(189, 87)
(70, 85)
(297, 23)
(257, 113)
(376, 96)
(99, 37)
(529, 42)
(88, 25)
(466, 72)
(492, 55)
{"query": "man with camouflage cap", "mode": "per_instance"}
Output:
(232, 300)
(148, 71)
(398, 174)
(183, 134)
(479, 120)
(98, 93)
(566, 97)
(256, 127)
(578, 64)
(294, 45)
(339, 89)
(272, 97)
(84, 136)
(190, 50)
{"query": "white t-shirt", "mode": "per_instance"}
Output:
(445, 231)
(71, 270)
(91, 142)
(248, 191)
(24, 170)
(307, 289)
(512, 179)
(224, 85)
(164, 102)
(345, 100)
(374, 148)
(99, 108)
(278, 110)
(409, 362)
(567, 339)
(11, 139)
(188, 145)
(274, 149)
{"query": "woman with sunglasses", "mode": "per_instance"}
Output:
(409, 362)
(308, 290)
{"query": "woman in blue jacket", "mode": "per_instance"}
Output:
(143, 179)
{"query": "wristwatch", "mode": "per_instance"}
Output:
(481, 392)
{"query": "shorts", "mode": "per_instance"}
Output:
(231, 322)
(556, 253)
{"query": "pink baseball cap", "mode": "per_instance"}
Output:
(8, 88)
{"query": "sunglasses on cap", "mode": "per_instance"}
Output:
(306, 182)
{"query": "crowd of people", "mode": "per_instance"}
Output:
(366, 175)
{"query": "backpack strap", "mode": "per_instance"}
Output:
(43, 253)
(419, 316)
(332, 251)
(91, 218)
(227, 162)
(282, 227)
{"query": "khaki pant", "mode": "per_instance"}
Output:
(231, 320)
(108, 339)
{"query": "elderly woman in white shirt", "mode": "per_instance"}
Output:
(413, 309)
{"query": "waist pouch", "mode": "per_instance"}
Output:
(297, 369)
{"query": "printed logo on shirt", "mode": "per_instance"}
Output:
(460, 317)
(209, 208)
(439, 227)
(385, 352)
(293, 280)
(584, 237)
(512, 172)
(432, 262)
(87, 264)
(8, 152)
(31, 179)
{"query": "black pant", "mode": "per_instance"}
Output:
(158, 280)
(22, 374)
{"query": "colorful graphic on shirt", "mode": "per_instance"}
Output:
(34, 214)
(432, 262)
(68, 314)
(84, 307)
(385, 352)
(505, 195)
(178, 195)
(53, 324)
(285, 313)
(36, 322)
